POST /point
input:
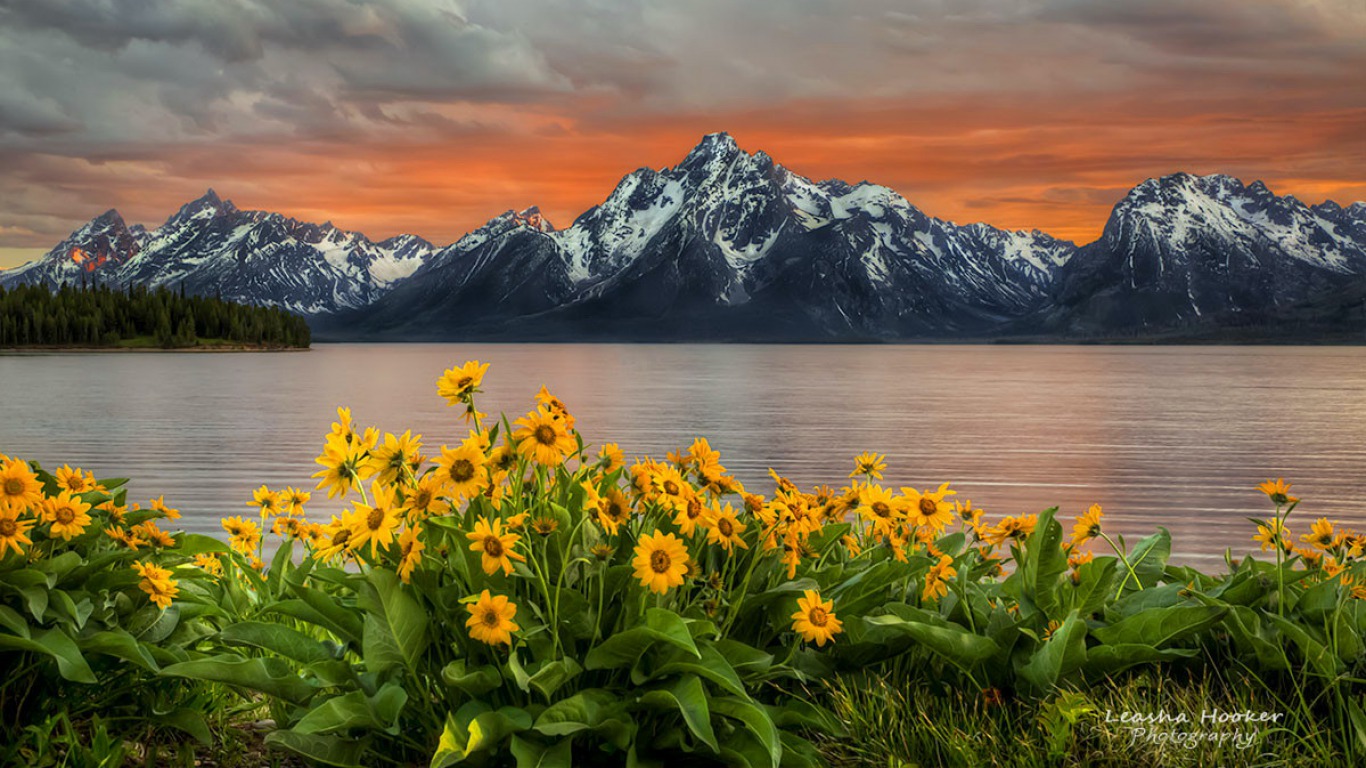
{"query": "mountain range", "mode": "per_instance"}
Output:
(731, 246)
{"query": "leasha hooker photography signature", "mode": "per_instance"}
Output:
(1239, 729)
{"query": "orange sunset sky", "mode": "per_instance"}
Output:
(430, 116)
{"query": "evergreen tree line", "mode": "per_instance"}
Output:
(34, 315)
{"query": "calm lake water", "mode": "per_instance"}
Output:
(1172, 436)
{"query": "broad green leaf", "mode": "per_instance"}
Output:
(1318, 601)
(1043, 566)
(591, 710)
(958, 646)
(55, 643)
(1059, 655)
(688, 697)
(1149, 561)
(276, 638)
(192, 544)
(187, 721)
(13, 621)
(624, 648)
(1158, 626)
(530, 754)
(356, 710)
(320, 748)
(1254, 638)
(550, 677)
(1319, 657)
(270, 676)
(712, 666)
(121, 645)
(755, 720)
(327, 612)
(1110, 659)
(397, 615)
(474, 682)
(485, 731)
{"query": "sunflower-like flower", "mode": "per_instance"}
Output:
(343, 465)
(1087, 526)
(815, 620)
(661, 561)
(334, 539)
(243, 535)
(292, 501)
(410, 548)
(67, 515)
(1274, 534)
(1321, 535)
(491, 619)
(937, 578)
(458, 385)
(1278, 491)
(74, 480)
(209, 564)
(157, 583)
(610, 458)
(725, 529)
(13, 531)
(374, 523)
(542, 437)
(266, 500)
(869, 465)
(614, 511)
(1014, 528)
(423, 498)
(19, 486)
(494, 545)
(928, 509)
(461, 471)
(393, 460)
(879, 507)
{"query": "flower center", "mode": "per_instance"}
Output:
(881, 509)
(340, 538)
(65, 515)
(491, 618)
(463, 383)
(694, 509)
(375, 519)
(660, 561)
(818, 616)
(928, 506)
(462, 470)
(670, 487)
(493, 546)
(8, 527)
(724, 526)
(422, 499)
(545, 434)
(13, 486)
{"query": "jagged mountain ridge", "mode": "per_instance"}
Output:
(729, 245)
(211, 247)
(724, 245)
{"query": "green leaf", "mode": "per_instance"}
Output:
(467, 733)
(1318, 601)
(13, 621)
(270, 676)
(755, 720)
(276, 638)
(1149, 561)
(712, 666)
(529, 754)
(187, 721)
(1254, 638)
(1319, 657)
(1158, 626)
(398, 619)
(688, 697)
(958, 646)
(1110, 659)
(325, 611)
(590, 710)
(624, 648)
(320, 748)
(356, 710)
(192, 544)
(475, 682)
(121, 645)
(1043, 566)
(1062, 653)
(550, 677)
(55, 643)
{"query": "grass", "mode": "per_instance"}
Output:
(897, 719)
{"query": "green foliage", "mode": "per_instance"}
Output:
(98, 316)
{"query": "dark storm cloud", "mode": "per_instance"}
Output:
(102, 101)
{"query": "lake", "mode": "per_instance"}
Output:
(1172, 436)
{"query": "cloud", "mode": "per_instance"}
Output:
(430, 115)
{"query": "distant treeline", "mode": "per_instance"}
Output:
(34, 315)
